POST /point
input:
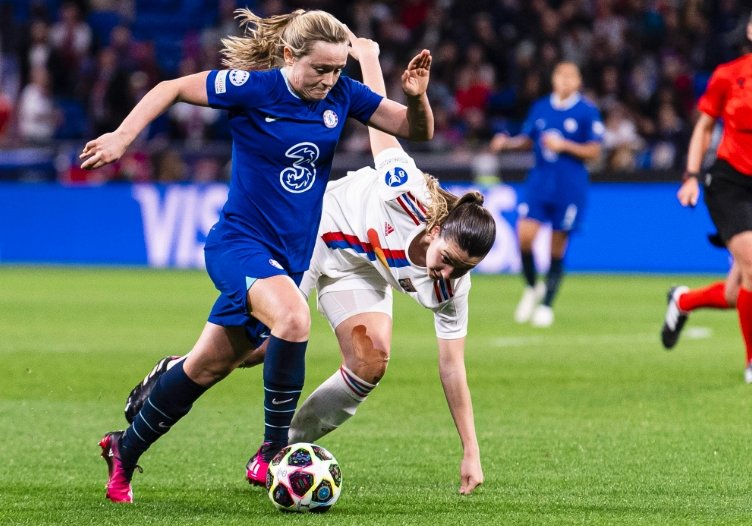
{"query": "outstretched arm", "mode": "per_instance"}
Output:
(414, 121)
(454, 382)
(502, 141)
(110, 147)
(367, 53)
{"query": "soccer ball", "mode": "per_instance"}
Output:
(304, 477)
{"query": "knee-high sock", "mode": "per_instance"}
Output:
(553, 280)
(171, 399)
(712, 296)
(528, 268)
(744, 308)
(329, 406)
(284, 374)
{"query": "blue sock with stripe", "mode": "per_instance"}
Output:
(284, 374)
(171, 399)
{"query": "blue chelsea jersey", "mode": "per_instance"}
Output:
(579, 121)
(282, 154)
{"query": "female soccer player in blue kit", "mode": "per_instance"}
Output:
(384, 227)
(564, 130)
(287, 106)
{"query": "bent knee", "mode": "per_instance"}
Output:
(370, 366)
(293, 325)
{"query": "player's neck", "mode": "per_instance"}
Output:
(416, 252)
(285, 71)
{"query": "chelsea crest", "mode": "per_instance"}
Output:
(330, 119)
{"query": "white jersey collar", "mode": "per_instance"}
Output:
(565, 104)
(283, 71)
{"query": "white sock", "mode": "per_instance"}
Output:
(329, 406)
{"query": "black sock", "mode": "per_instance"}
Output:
(553, 280)
(171, 399)
(528, 268)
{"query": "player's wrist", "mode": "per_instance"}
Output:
(688, 174)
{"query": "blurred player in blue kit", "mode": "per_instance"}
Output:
(564, 130)
(287, 106)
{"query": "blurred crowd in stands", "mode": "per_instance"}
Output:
(72, 70)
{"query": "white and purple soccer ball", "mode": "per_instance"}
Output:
(304, 477)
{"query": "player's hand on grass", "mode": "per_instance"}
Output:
(471, 475)
(105, 149)
(689, 192)
(415, 77)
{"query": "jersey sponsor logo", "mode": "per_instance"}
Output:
(238, 77)
(396, 177)
(330, 119)
(220, 82)
(388, 229)
(548, 154)
(570, 125)
(407, 285)
(274, 263)
(300, 177)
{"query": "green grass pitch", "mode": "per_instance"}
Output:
(588, 422)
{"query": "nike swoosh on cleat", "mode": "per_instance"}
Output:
(163, 425)
(278, 402)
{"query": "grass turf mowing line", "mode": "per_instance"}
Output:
(586, 422)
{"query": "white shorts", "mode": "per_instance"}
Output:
(357, 293)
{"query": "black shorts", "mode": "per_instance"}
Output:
(728, 196)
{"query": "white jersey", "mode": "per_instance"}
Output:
(389, 203)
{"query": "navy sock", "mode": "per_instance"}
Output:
(528, 268)
(284, 374)
(553, 280)
(171, 399)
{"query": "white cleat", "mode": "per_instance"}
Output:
(543, 316)
(531, 297)
(748, 374)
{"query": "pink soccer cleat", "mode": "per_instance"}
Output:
(119, 483)
(258, 466)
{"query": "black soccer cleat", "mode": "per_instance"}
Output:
(675, 318)
(143, 389)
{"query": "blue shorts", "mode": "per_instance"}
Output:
(234, 267)
(563, 215)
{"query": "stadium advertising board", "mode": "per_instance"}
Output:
(629, 227)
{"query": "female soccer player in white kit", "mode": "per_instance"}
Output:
(383, 228)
